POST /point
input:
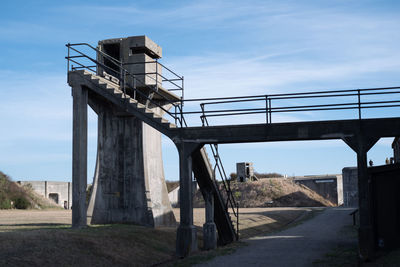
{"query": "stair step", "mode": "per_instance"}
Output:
(117, 92)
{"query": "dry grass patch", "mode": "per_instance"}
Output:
(118, 245)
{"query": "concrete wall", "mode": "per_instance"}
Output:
(174, 194)
(244, 171)
(396, 150)
(328, 186)
(174, 197)
(350, 187)
(48, 189)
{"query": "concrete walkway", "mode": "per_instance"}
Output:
(297, 246)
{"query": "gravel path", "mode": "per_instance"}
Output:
(297, 246)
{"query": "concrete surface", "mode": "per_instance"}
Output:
(129, 184)
(297, 246)
(62, 191)
(327, 186)
(350, 187)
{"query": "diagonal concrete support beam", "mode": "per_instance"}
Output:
(79, 156)
(361, 144)
(186, 239)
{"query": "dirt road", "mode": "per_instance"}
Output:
(297, 246)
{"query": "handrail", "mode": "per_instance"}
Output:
(122, 73)
(230, 199)
(267, 104)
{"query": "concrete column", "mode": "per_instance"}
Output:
(186, 239)
(79, 156)
(129, 184)
(209, 228)
(69, 195)
(365, 231)
(361, 144)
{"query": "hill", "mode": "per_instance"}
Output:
(272, 192)
(12, 195)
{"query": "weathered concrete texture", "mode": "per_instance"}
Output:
(350, 187)
(79, 156)
(245, 171)
(396, 149)
(56, 191)
(209, 228)
(134, 49)
(129, 183)
(328, 186)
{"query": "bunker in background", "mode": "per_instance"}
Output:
(59, 192)
(245, 171)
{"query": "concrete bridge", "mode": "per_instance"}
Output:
(146, 105)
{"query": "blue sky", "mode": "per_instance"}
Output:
(223, 48)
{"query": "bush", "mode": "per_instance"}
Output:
(5, 204)
(238, 195)
(21, 203)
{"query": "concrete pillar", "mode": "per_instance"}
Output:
(129, 184)
(361, 144)
(209, 228)
(365, 231)
(79, 156)
(186, 239)
(69, 195)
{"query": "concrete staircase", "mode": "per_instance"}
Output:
(203, 172)
(201, 164)
(114, 94)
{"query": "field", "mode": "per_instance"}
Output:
(34, 238)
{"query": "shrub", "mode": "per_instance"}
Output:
(21, 203)
(238, 195)
(5, 204)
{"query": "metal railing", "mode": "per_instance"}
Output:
(357, 99)
(130, 83)
(230, 201)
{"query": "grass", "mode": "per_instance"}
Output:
(105, 245)
(15, 196)
(100, 245)
(37, 243)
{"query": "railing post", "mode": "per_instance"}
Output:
(175, 117)
(156, 74)
(181, 110)
(237, 220)
(266, 109)
(68, 45)
(183, 91)
(270, 110)
(202, 114)
(134, 87)
(359, 104)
